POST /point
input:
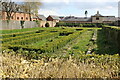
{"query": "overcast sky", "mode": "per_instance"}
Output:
(78, 7)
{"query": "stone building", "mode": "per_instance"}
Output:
(72, 19)
(42, 20)
(97, 18)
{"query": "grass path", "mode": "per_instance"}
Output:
(80, 41)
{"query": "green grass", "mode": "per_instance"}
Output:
(83, 42)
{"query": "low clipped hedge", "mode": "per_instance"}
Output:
(16, 34)
(58, 43)
(47, 47)
(33, 39)
(19, 37)
(79, 24)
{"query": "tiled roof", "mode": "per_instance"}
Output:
(42, 17)
(117, 18)
(72, 18)
(109, 18)
(55, 17)
(97, 15)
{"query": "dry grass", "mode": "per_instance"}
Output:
(17, 67)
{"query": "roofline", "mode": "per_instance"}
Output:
(18, 12)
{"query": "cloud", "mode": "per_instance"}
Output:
(55, 1)
(94, 1)
(67, 1)
(46, 12)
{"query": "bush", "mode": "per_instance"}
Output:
(22, 23)
(79, 24)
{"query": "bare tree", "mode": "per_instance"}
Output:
(31, 7)
(10, 8)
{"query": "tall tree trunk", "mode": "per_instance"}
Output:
(30, 14)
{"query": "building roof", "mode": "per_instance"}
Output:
(98, 14)
(72, 18)
(42, 17)
(117, 18)
(109, 18)
(55, 17)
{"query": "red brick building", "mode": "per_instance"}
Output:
(17, 16)
(53, 18)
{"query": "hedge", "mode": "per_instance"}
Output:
(20, 37)
(112, 34)
(47, 47)
(58, 43)
(16, 34)
(33, 39)
(79, 24)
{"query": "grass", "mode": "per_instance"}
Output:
(83, 41)
(77, 45)
(40, 43)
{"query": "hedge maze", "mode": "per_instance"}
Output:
(54, 39)
(51, 40)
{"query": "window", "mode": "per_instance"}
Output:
(21, 17)
(26, 18)
(17, 18)
(97, 18)
(12, 17)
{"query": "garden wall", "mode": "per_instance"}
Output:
(113, 35)
(12, 24)
(27, 24)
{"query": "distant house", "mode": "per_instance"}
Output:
(117, 22)
(42, 17)
(98, 18)
(42, 20)
(39, 17)
(18, 16)
(61, 17)
(72, 19)
(23, 16)
(53, 18)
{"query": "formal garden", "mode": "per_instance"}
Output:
(61, 52)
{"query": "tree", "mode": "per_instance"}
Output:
(10, 8)
(31, 7)
(86, 12)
